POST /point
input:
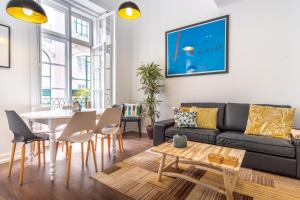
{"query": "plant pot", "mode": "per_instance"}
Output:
(150, 131)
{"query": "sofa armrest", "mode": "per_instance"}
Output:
(159, 131)
(296, 143)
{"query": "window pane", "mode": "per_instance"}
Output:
(58, 77)
(80, 29)
(46, 70)
(56, 20)
(58, 94)
(79, 84)
(55, 51)
(80, 62)
(46, 84)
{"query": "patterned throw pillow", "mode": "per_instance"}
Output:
(206, 117)
(132, 110)
(270, 121)
(185, 119)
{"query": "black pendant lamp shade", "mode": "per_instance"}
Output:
(129, 10)
(27, 10)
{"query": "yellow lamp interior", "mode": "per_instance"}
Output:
(18, 13)
(134, 13)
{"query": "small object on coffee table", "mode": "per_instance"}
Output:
(215, 158)
(180, 140)
(230, 160)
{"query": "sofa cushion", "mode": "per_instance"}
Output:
(194, 134)
(221, 111)
(261, 144)
(236, 115)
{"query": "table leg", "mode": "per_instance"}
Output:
(161, 167)
(230, 179)
(176, 162)
(114, 146)
(52, 170)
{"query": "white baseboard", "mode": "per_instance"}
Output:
(5, 158)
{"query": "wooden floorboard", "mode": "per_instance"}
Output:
(37, 184)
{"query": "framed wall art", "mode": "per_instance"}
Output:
(198, 49)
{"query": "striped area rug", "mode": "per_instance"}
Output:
(136, 178)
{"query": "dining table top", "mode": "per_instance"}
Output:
(55, 114)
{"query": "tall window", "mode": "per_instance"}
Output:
(65, 75)
(74, 65)
(54, 54)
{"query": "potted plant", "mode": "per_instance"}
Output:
(82, 96)
(150, 78)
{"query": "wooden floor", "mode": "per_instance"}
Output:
(37, 184)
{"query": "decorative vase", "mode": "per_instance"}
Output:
(180, 140)
(150, 131)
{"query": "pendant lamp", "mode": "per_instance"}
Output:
(129, 10)
(27, 10)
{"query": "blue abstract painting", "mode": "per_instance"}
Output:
(198, 49)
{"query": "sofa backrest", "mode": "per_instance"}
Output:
(236, 115)
(221, 111)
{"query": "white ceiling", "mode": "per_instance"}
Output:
(90, 5)
(221, 3)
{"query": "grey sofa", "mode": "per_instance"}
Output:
(262, 153)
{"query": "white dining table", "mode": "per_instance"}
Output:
(55, 118)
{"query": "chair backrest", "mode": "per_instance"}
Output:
(81, 121)
(18, 126)
(111, 116)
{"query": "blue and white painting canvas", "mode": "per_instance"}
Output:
(198, 49)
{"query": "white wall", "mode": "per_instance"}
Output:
(264, 47)
(14, 82)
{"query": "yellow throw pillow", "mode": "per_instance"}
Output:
(270, 121)
(206, 117)
(184, 109)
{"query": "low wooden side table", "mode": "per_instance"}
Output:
(196, 154)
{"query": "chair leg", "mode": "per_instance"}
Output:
(62, 146)
(121, 140)
(33, 148)
(87, 153)
(94, 155)
(39, 152)
(44, 152)
(56, 149)
(96, 141)
(119, 143)
(21, 178)
(124, 128)
(102, 154)
(82, 154)
(66, 148)
(108, 145)
(12, 157)
(140, 128)
(69, 164)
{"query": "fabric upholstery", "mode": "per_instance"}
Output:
(236, 116)
(194, 134)
(221, 111)
(159, 131)
(262, 144)
(186, 119)
(206, 117)
(270, 121)
(270, 163)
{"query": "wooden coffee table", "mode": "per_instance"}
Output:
(196, 154)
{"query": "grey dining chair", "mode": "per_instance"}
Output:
(22, 134)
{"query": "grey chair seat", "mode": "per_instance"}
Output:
(260, 144)
(194, 134)
(131, 118)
